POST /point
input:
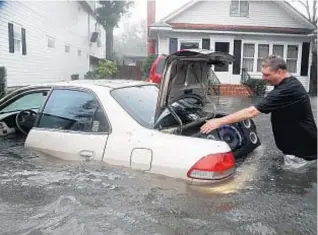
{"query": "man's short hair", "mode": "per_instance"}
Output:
(275, 62)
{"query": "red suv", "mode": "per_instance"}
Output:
(157, 69)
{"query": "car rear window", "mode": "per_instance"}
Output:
(138, 101)
(160, 65)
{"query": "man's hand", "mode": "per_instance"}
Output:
(241, 115)
(211, 125)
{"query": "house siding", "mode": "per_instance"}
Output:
(66, 22)
(261, 13)
(230, 77)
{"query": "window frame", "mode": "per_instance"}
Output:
(189, 40)
(261, 58)
(239, 13)
(271, 44)
(69, 48)
(52, 40)
(255, 45)
(17, 28)
(19, 94)
(137, 120)
(292, 59)
(80, 89)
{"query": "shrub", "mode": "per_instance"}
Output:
(3, 81)
(258, 86)
(105, 69)
(146, 65)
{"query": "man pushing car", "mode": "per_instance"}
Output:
(293, 124)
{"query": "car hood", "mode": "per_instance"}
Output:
(186, 73)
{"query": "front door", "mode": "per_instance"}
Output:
(222, 72)
(71, 126)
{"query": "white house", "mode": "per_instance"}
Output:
(249, 30)
(43, 41)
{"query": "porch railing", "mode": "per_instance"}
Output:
(258, 86)
(215, 82)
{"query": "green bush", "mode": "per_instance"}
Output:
(3, 81)
(146, 65)
(105, 69)
(258, 86)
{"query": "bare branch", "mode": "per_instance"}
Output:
(308, 10)
(305, 4)
(314, 14)
(302, 3)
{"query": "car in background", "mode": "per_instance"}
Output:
(157, 69)
(135, 124)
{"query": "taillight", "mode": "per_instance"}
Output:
(213, 167)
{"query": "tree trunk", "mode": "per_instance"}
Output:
(313, 75)
(109, 43)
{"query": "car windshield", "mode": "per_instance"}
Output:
(140, 102)
(29, 101)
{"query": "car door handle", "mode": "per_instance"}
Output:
(88, 154)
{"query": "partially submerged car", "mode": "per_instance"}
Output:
(133, 123)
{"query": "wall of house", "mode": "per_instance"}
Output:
(64, 23)
(261, 13)
(229, 77)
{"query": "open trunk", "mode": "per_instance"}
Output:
(241, 137)
(183, 97)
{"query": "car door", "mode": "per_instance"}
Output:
(72, 126)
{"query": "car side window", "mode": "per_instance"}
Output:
(32, 100)
(73, 110)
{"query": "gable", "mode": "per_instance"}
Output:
(261, 13)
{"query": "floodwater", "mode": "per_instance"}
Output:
(48, 196)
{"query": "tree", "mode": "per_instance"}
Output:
(133, 40)
(311, 13)
(108, 15)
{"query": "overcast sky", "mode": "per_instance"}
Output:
(165, 7)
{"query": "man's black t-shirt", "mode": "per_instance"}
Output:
(293, 123)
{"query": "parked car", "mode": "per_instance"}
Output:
(157, 69)
(136, 124)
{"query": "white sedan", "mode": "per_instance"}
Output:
(133, 123)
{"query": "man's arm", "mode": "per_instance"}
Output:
(241, 115)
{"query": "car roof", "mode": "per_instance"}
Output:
(91, 84)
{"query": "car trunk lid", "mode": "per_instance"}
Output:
(187, 73)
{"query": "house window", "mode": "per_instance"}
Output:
(248, 57)
(239, 8)
(67, 48)
(291, 60)
(99, 42)
(288, 52)
(189, 45)
(79, 52)
(51, 42)
(17, 37)
(263, 51)
(278, 50)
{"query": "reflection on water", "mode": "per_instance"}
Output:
(49, 196)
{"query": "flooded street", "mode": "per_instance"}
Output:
(48, 196)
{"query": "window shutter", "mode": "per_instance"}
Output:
(11, 38)
(24, 46)
(237, 56)
(305, 59)
(206, 43)
(173, 45)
